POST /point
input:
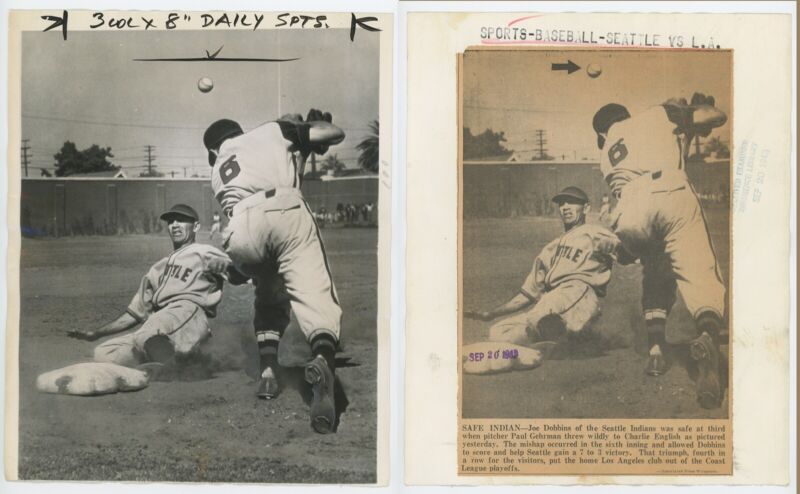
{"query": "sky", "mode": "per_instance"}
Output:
(518, 93)
(89, 90)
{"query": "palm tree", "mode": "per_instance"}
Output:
(368, 159)
(332, 163)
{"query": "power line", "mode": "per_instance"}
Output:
(111, 124)
(541, 141)
(25, 149)
(150, 159)
(145, 126)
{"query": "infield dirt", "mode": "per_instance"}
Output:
(599, 376)
(205, 425)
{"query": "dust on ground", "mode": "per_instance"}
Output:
(204, 426)
(599, 376)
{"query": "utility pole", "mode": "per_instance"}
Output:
(541, 141)
(184, 172)
(25, 156)
(150, 159)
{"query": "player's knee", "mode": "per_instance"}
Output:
(160, 349)
(549, 328)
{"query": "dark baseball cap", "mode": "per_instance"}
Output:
(606, 117)
(181, 210)
(217, 132)
(571, 193)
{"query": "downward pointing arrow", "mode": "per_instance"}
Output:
(570, 66)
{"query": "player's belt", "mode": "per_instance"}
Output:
(653, 176)
(258, 197)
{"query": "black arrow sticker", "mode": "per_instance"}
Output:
(570, 66)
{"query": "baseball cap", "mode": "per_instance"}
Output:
(606, 117)
(180, 210)
(571, 193)
(217, 132)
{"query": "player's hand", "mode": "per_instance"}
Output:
(216, 264)
(699, 99)
(83, 334)
(292, 117)
(236, 277)
(479, 315)
(315, 115)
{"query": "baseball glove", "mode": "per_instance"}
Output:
(315, 115)
(681, 113)
(700, 99)
(296, 130)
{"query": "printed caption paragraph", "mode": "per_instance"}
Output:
(493, 447)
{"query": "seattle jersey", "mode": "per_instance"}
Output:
(258, 160)
(181, 275)
(641, 144)
(584, 253)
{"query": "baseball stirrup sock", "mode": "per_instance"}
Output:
(656, 332)
(325, 345)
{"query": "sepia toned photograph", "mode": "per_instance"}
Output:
(199, 253)
(595, 219)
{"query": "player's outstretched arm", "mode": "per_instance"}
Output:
(118, 325)
(517, 303)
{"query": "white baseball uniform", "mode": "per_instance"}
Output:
(175, 298)
(658, 213)
(272, 236)
(566, 280)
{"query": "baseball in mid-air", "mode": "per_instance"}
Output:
(594, 70)
(205, 84)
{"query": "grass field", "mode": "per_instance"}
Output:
(601, 377)
(207, 426)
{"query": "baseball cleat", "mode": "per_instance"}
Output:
(323, 409)
(268, 385)
(656, 365)
(704, 351)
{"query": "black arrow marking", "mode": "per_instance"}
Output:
(57, 21)
(570, 66)
(362, 23)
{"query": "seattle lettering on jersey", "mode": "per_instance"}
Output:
(180, 276)
(568, 252)
(178, 272)
(582, 253)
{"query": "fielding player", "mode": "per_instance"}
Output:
(561, 292)
(175, 299)
(272, 237)
(659, 220)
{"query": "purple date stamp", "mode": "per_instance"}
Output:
(493, 355)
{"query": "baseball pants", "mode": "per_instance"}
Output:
(273, 238)
(183, 322)
(661, 209)
(573, 305)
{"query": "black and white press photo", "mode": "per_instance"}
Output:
(201, 231)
